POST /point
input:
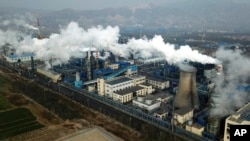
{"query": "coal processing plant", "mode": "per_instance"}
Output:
(172, 94)
(173, 88)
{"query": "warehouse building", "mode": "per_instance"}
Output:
(241, 117)
(138, 79)
(149, 88)
(183, 115)
(195, 128)
(126, 95)
(117, 85)
(54, 76)
(14, 58)
(114, 66)
(161, 114)
(164, 97)
(158, 83)
(146, 104)
(109, 87)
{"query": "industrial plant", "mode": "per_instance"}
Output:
(176, 95)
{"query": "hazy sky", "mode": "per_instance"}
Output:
(74, 4)
(96, 4)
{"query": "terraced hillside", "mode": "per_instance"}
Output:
(17, 121)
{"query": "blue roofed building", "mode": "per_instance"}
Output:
(14, 58)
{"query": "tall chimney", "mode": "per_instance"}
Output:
(88, 65)
(97, 59)
(32, 64)
(187, 91)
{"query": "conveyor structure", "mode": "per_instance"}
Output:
(132, 68)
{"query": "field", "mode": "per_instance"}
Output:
(4, 103)
(21, 92)
(2, 80)
(17, 121)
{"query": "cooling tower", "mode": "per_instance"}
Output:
(187, 92)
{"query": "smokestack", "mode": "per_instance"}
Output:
(88, 65)
(32, 64)
(187, 91)
(97, 59)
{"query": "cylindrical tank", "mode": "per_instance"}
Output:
(187, 92)
(190, 122)
(213, 125)
(77, 76)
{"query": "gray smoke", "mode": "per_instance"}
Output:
(237, 71)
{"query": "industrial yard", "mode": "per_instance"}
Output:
(146, 92)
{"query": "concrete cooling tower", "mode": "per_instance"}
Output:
(187, 92)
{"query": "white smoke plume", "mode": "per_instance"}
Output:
(18, 23)
(14, 28)
(228, 98)
(70, 40)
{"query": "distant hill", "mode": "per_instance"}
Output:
(189, 15)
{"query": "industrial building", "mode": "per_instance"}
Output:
(152, 102)
(14, 58)
(54, 76)
(149, 88)
(126, 95)
(162, 114)
(158, 83)
(133, 83)
(183, 115)
(113, 66)
(146, 104)
(195, 128)
(164, 94)
(117, 85)
(241, 117)
(138, 79)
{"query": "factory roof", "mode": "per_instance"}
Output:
(145, 84)
(129, 90)
(183, 111)
(196, 125)
(117, 81)
(113, 63)
(161, 112)
(242, 114)
(136, 76)
(156, 79)
(21, 55)
(158, 95)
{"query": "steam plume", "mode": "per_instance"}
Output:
(229, 98)
(73, 38)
